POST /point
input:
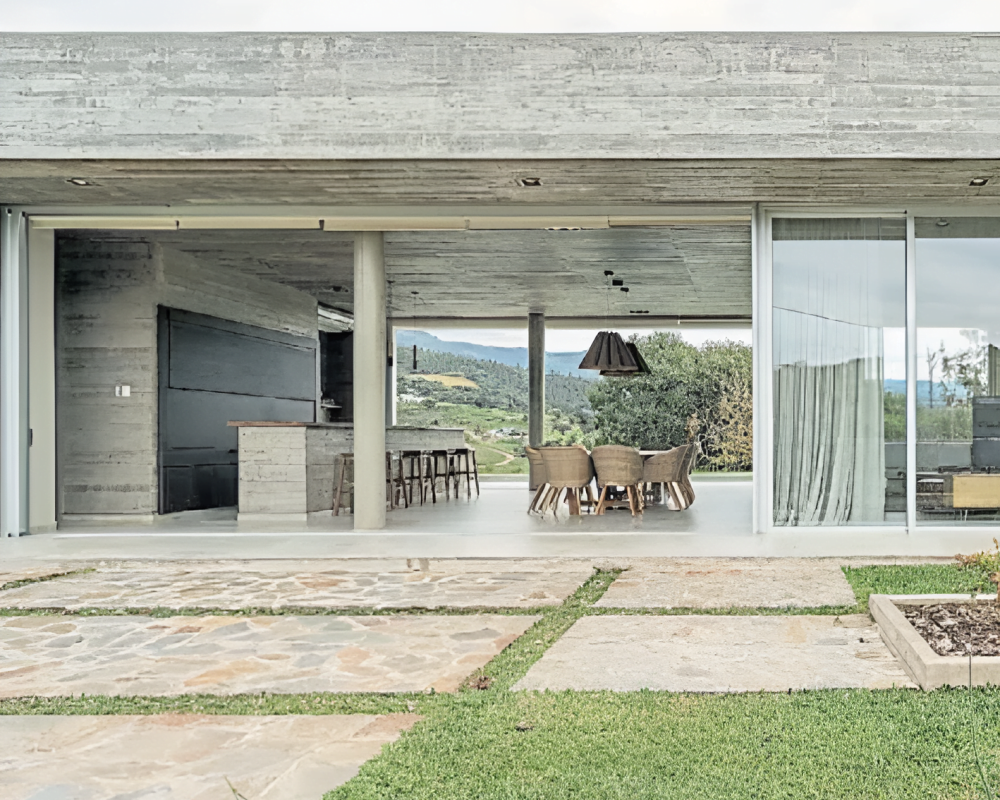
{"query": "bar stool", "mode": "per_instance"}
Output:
(345, 462)
(420, 467)
(395, 482)
(463, 462)
(442, 469)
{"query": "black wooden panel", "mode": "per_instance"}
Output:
(198, 420)
(213, 371)
(200, 487)
(210, 359)
(337, 373)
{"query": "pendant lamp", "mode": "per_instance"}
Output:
(643, 366)
(610, 353)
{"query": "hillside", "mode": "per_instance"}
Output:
(496, 385)
(562, 363)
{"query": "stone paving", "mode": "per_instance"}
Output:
(717, 654)
(187, 757)
(13, 572)
(132, 655)
(327, 583)
(729, 583)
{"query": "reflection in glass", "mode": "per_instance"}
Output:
(958, 370)
(839, 371)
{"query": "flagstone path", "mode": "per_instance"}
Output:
(132, 655)
(729, 583)
(717, 654)
(187, 756)
(32, 571)
(327, 583)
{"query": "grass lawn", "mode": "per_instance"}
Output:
(825, 744)
(916, 579)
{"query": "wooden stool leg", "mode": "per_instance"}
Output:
(432, 463)
(535, 499)
(602, 500)
(475, 471)
(340, 488)
(468, 477)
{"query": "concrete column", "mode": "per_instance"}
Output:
(390, 374)
(42, 380)
(14, 431)
(536, 380)
(369, 381)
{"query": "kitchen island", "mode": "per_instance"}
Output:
(287, 470)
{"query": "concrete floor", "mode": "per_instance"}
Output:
(493, 525)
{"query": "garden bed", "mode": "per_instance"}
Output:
(957, 629)
(910, 624)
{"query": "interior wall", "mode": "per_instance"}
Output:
(107, 295)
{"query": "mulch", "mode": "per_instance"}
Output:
(957, 629)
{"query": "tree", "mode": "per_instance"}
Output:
(712, 383)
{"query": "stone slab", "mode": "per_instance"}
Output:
(717, 654)
(132, 655)
(927, 668)
(322, 583)
(730, 583)
(187, 756)
(11, 573)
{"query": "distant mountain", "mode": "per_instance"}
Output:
(562, 363)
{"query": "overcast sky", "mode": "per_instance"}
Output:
(540, 16)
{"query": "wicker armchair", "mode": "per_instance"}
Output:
(694, 450)
(668, 470)
(538, 475)
(619, 469)
(569, 469)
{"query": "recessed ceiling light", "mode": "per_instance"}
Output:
(608, 273)
(618, 282)
(625, 289)
(633, 311)
(529, 182)
(79, 182)
(979, 181)
(942, 223)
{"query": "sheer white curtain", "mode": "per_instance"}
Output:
(832, 278)
(829, 461)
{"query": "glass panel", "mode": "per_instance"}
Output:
(839, 371)
(958, 370)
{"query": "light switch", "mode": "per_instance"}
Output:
(123, 391)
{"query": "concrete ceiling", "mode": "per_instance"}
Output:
(698, 270)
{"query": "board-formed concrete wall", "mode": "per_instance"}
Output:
(107, 293)
(407, 96)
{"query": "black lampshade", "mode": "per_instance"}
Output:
(609, 352)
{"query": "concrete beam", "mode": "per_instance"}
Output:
(14, 430)
(369, 381)
(498, 95)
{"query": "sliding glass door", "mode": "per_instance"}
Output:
(958, 370)
(838, 350)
